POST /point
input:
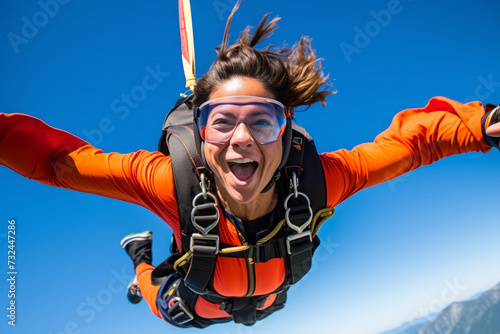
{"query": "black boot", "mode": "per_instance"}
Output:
(138, 247)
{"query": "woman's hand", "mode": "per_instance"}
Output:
(494, 129)
(492, 119)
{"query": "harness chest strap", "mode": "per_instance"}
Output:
(297, 249)
(299, 258)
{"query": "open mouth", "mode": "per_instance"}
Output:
(242, 169)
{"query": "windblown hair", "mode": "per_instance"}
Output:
(292, 75)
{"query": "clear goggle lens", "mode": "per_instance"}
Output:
(264, 118)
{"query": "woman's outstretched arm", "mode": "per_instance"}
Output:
(416, 137)
(56, 158)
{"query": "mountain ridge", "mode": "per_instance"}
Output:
(461, 317)
(478, 315)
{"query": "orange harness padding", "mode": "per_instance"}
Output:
(231, 275)
(231, 279)
(245, 287)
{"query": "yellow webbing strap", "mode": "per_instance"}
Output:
(187, 43)
(272, 234)
(234, 249)
(183, 260)
(319, 218)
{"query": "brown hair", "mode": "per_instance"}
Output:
(293, 75)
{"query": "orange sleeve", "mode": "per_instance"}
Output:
(416, 137)
(54, 157)
(148, 290)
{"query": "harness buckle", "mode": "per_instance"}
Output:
(207, 207)
(298, 240)
(300, 211)
(179, 312)
(308, 215)
(207, 244)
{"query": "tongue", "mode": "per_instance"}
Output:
(243, 171)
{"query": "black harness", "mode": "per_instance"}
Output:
(302, 190)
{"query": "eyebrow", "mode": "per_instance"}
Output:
(222, 112)
(258, 113)
(230, 114)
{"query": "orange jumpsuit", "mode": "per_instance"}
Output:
(416, 137)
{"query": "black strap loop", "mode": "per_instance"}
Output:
(300, 250)
(244, 310)
(204, 249)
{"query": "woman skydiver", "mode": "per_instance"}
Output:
(244, 107)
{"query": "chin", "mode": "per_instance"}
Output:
(243, 197)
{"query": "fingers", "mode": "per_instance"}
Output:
(493, 130)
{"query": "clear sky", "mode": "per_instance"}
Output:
(391, 253)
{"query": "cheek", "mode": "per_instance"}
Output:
(274, 153)
(212, 152)
(209, 155)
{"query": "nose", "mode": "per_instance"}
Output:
(241, 136)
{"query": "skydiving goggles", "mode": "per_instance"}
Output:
(266, 119)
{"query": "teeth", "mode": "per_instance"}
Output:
(241, 161)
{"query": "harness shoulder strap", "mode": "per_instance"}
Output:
(305, 161)
(305, 166)
(178, 141)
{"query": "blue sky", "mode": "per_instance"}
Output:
(391, 252)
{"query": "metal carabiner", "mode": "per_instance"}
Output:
(294, 184)
(203, 186)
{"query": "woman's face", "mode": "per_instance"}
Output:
(242, 166)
